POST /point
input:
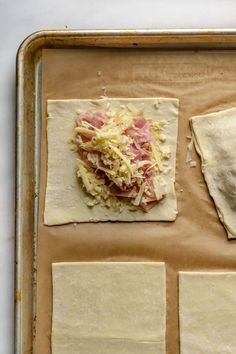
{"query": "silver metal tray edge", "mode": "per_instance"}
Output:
(28, 139)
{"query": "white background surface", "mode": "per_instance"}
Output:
(19, 18)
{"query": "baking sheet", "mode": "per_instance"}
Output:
(204, 81)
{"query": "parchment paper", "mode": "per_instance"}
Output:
(204, 82)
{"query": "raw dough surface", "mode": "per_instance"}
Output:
(214, 136)
(109, 307)
(207, 312)
(65, 198)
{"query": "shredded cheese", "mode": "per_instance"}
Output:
(120, 150)
(157, 157)
(139, 195)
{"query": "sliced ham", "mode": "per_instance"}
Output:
(140, 131)
(148, 206)
(145, 194)
(118, 192)
(144, 131)
(86, 136)
(140, 153)
(96, 119)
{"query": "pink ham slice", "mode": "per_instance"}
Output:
(140, 153)
(144, 131)
(148, 206)
(140, 132)
(96, 119)
(125, 191)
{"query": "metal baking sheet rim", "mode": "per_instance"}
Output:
(28, 106)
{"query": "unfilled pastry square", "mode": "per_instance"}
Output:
(207, 312)
(65, 199)
(108, 307)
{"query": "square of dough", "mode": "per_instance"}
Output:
(207, 312)
(108, 307)
(214, 137)
(65, 200)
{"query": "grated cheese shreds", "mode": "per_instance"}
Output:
(138, 198)
(120, 156)
(157, 157)
(96, 188)
(157, 188)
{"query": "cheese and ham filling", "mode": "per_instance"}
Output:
(121, 157)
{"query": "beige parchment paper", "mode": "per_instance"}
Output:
(204, 82)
